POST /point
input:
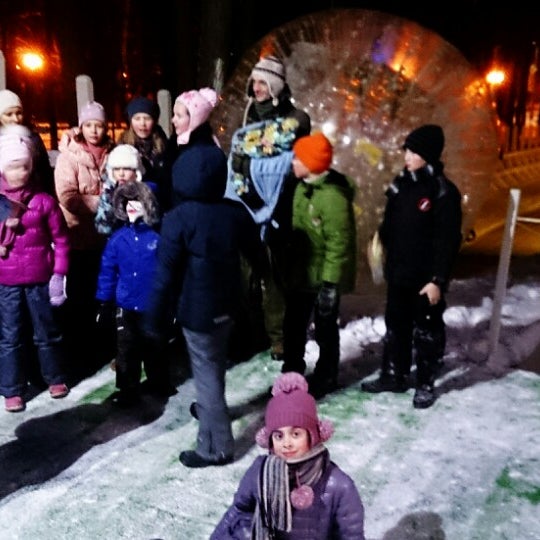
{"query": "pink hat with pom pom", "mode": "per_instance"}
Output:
(199, 103)
(292, 405)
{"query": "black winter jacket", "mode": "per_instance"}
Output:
(421, 228)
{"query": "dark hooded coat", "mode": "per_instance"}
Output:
(201, 241)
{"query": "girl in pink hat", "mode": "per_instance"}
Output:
(34, 254)
(295, 491)
(191, 112)
(12, 114)
(78, 179)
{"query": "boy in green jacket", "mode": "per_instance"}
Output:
(322, 260)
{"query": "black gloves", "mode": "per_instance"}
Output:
(245, 188)
(327, 299)
(240, 164)
(106, 315)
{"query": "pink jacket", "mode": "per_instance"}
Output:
(78, 184)
(40, 247)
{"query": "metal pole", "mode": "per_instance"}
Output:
(2, 71)
(502, 272)
(164, 102)
(84, 88)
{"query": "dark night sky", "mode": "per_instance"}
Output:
(166, 39)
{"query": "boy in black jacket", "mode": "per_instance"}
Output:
(421, 233)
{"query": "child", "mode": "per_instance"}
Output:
(34, 253)
(421, 235)
(127, 269)
(296, 491)
(79, 167)
(198, 271)
(12, 114)
(148, 137)
(322, 260)
(124, 164)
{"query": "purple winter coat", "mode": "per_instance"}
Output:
(337, 512)
(41, 245)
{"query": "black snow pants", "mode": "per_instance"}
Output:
(415, 331)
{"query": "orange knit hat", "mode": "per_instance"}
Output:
(314, 151)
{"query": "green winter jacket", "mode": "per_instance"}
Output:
(323, 244)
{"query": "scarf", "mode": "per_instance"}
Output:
(265, 109)
(18, 199)
(97, 152)
(274, 510)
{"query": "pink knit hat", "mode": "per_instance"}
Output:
(92, 111)
(292, 405)
(13, 148)
(199, 103)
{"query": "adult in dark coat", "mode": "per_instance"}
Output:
(421, 233)
(270, 98)
(199, 270)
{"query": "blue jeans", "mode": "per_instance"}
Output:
(208, 357)
(47, 336)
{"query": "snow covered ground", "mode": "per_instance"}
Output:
(467, 468)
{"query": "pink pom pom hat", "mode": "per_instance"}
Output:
(292, 405)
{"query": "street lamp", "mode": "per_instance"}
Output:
(32, 61)
(495, 77)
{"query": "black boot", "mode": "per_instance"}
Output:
(394, 375)
(387, 382)
(426, 371)
(191, 459)
(320, 386)
(424, 396)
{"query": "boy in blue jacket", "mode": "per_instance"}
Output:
(127, 269)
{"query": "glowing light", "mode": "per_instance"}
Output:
(495, 77)
(328, 128)
(32, 61)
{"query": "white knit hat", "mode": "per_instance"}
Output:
(9, 99)
(125, 156)
(272, 71)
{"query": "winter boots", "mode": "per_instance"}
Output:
(427, 370)
(387, 382)
(394, 376)
(424, 396)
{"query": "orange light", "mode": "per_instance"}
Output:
(32, 61)
(495, 77)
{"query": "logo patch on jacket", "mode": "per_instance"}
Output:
(424, 204)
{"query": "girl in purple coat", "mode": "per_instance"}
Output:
(34, 252)
(296, 492)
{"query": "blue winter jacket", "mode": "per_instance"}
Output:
(199, 251)
(127, 266)
(337, 512)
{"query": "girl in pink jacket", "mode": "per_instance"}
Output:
(78, 179)
(34, 251)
